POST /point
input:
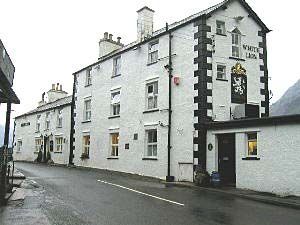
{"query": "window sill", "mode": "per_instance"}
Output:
(238, 59)
(251, 158)
(113, 76)
(151, 110)
(149, 158)
(59, 127)
(115, 116)
(151, 63)
(17, 151)
(37, 131)
(35, 153)
(57, 152)
(84, 157)
(86, 121)
(220, 79)
(87, 85)
(46, 129)
(112, 157)
(224, 35)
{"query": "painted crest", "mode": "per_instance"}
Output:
(238, 69)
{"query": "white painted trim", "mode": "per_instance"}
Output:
(113, 128)
(150, 124)
(59, 134)
(86, 131)
(151, 79)
(116, 88)
(87, 96)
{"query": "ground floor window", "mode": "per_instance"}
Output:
(151, 143)
(252, 144)
(86, 146)
(19, 145)
(38, 144)
(58, 144)
(114, 140)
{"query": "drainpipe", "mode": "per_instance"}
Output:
(169, 178)
(71, 155)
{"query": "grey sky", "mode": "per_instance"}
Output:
(49, 40)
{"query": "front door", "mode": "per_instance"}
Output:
(226, 152)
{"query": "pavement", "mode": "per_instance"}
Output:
(61, 195)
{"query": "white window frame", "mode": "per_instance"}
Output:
(115, 104)
(153, 52)
(117, 66)
(151, 145)
(59, 142)
(38, 123)
(86, 146)
(47, 121)
(114, 147)
(59, 118)
(88, 77)
(221, 74)
(87, 112)
(38, 142)
(251, 140)
(236, 39)
(19, 145)
(152, 95)
(220, 27)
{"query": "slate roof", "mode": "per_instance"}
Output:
(52, 105)
(178, 24)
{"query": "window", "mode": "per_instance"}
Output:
(252, 144)
(117, 66)
(151, 95)
(38, 123)
(59, 144)
(59, 118)
(115, 103)
(19, 145)
(86, 146)
(88, 79)
(38, 144)
(236, 43)
(47, 122)
(220, 27)
(221, 72)
(87, 110)
(153, 52)
(114, 150)
(151, 137)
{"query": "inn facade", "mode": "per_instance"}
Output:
(45, 128)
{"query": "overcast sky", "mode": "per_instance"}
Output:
(48, 40)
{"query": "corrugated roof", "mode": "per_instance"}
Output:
(60, 102)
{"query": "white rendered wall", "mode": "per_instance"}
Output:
(135, 74)
(28, 134)
(277, 171)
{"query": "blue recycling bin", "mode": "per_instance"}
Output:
(215, 179)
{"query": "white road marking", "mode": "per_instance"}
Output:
(142, 193)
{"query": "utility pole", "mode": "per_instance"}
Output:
(169, 178)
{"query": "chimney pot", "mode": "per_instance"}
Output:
(53, 86)
(60, 87)
(119, 40)
(105, 35)
(110, 37)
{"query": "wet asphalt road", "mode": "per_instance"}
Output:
(75, 196)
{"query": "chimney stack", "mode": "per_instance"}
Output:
(110, 37)
(105, 36)
(144, 23)
(53, 86)
(108, 45)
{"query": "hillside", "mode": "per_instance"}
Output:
(289, 103)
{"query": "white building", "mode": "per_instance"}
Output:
(46, 128)
(122, 100)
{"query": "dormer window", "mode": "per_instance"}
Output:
(236, 43)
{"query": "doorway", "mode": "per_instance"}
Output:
(226, 158)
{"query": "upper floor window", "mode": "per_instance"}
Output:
(114, 147)
(117, 66)
(47, 121)
(88, 78)
(19, 145)
(236, 43)
(115, 103)
(221, 72)
(87, 110)
(152, 95)
(38, 122)
(252, 144)
(59, 118)
(220, 27)
(153, 52)
(151, 138)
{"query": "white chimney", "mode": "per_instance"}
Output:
(144, 23)
(108, 45)
(55, 93)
